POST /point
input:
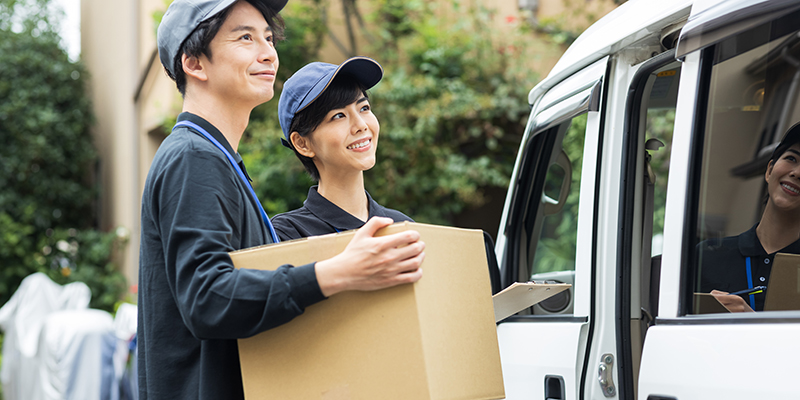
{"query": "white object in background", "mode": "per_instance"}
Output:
(125, 323)
(76, 357)
(22, 317)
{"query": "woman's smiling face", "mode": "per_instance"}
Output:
(346, 140)
(783, 179)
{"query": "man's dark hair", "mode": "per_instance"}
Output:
(197, 43)
(342, 91)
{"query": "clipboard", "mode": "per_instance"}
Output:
(706, 303)
(521, 295)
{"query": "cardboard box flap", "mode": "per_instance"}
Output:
(520, 296)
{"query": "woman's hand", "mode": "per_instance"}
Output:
(732, 302)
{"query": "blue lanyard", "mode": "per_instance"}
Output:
(238, 171)
(750, 284)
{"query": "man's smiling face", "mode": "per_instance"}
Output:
(243, 60)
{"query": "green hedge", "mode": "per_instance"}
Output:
(47, 162)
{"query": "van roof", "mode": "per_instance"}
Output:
(627, 24)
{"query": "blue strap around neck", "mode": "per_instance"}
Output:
(238, 172)
(750, 284)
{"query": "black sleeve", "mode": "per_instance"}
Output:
(284, 228)
(491, 260)
(198, 215)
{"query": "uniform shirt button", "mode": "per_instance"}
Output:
(762, 279)
(766, 261)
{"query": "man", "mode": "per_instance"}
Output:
(198, 205)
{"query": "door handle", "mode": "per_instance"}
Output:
(554, 387)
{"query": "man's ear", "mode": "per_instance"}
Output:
(193, 66)
(301, 144)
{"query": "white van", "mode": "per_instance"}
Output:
(650, 135)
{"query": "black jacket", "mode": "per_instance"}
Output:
(193, 304)
(723, 264)
(318, 216)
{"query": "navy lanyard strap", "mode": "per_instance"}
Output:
(750, 284)
(238, 172)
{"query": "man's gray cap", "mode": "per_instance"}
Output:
(183, 16)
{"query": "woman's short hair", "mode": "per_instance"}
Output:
(342, 91)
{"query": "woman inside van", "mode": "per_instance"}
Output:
(327, 120)
(742, 263)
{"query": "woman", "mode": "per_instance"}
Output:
(744, 261)
(327, 120)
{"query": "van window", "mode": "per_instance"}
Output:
(554, 251)
(753, 90)
(549, 225)
(658, 103)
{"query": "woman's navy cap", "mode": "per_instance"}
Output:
(791, 137)
(308, 83)
(183, 16)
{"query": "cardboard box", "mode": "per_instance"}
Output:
(434, 339)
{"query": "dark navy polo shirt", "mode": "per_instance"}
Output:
(193, 304)
(723, 264)
(318, 216)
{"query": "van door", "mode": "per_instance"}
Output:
(739, 92)
(550, 236)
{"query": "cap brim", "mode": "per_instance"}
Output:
(791, 137)
(363, 69)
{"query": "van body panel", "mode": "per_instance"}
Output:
(675, 212)
(711, 23)
(521, 363)
(728, 361)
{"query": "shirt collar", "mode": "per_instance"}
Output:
(334, 216)
(216, 134)
(750, 246)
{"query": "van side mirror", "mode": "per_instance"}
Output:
(563, 174)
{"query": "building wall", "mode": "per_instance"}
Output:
(133, 97)
(109, 49)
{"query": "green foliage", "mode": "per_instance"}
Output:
(83, 256)
(32, 16)
(46, 161)
(452, 112)
(565, 27)
(305, 31)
